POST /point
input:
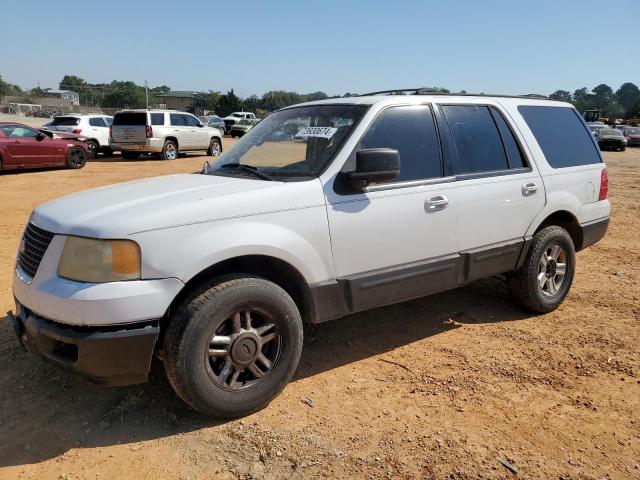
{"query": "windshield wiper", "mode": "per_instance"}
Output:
(247, 168)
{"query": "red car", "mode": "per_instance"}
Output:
(24, 147)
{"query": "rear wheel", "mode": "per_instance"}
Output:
(169, 150)
(215, 149)
(233, 346)
(545, 277)
(92, 148)
(76, 157)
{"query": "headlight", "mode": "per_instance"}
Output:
(98, 261)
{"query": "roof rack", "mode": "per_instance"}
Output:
(433, 91)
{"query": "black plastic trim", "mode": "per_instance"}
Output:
(484, 262)
(594, 232)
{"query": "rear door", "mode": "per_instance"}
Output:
(180, 129)
(129, 127)
(99, 130)
(500, 190)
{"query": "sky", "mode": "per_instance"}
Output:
(490, 46)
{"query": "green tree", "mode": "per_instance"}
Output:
(7, 88)
(628, 95)
(561, 95)
(229, 103)
(124, 95)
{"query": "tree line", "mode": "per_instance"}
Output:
(622, 103)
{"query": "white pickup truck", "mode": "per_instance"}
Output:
(321, 210)
(235, 117)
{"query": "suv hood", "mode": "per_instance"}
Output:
(123, 209)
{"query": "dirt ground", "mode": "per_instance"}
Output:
(440, 387)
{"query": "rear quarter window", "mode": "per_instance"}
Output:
(157, 119)
(65, 122)
(562, 135)
(130, 118)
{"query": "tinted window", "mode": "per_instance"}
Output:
(130, 118)
(191, 121)
(476, 138)
(64, 122)
(561, 134)
(96, 122)
(412, 132)
(108, 120)
(157, 119)
(177, 119)
(516, 158)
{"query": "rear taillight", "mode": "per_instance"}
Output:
(604, 184)
(110, 132)
(149, 131)
(77, 131)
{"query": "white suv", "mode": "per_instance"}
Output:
(321, 210)
(94, 127)
(166, 132)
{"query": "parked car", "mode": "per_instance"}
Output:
(241, 127)
(95, 128)
(373, 200)
(611, 139)
(166, 132)
(231, 120)
(216, 122)
(24, 147)
(632, 135)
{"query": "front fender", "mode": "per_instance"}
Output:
(185, 251)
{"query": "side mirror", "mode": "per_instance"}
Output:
(374, 165)
(40, 136)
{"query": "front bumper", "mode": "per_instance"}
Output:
(117, 355)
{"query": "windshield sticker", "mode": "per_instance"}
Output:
(320, 132)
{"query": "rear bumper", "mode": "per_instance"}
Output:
(153, 145)
(105, 356)
(593, 232)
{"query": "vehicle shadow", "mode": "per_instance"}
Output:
(45, 411)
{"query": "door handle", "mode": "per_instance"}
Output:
(434, 204)
(529, 189)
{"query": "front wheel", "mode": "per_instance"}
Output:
(233, 346)
(545, 277)
(215, 149)
(76, 157)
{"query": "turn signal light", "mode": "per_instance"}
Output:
(604, 184)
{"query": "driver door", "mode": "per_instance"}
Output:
(31, 151)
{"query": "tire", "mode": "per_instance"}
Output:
(195, 364)
(130, 155)
(525, 283)
(169, 150)
(92, 149)
(215, 148)
(623, 149)
(76, 157)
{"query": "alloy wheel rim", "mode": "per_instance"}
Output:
(243, 350)
(552, 270)
(170, 152)
(215, 149)
(76, 157)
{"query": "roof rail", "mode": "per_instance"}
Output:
(433, 91)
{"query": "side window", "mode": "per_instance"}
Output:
(476, 139)
(516, 158)
(191, 121)
(411, 131)
(18, 131)
(562, 135)
(158, 119)
(108, 121)
(177, 119)
(96, 122)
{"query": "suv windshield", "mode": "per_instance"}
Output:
(610, 132)
(292, 144)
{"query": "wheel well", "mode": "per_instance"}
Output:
(567, 221)
(273, 269)
(174, 140)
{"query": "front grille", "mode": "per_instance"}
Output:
(35, 244)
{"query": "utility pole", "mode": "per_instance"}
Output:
(146, 92)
